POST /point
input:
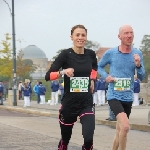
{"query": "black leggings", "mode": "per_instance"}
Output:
(87, 119)
(120, 106)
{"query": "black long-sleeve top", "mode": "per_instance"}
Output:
(82, 65)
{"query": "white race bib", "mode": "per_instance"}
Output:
(122, 84)
(79, 84)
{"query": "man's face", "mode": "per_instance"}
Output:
(126, 36)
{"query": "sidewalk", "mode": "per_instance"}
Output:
(138, 117)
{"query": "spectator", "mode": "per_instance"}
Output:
(42, 91)
(5, 90)
(101, 91)
(54, 88)
(1, 93)
(36, 91)
(95, 97)
(20, 91)
(136, 91)
(61, 89)
(111, 117)
(30, 88)
(26, 92)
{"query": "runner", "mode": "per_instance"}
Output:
(123, 61)
(79, 69)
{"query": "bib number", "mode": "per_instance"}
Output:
(79, 84)
(122, 84)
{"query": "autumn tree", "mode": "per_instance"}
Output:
(6, 58)
(24, 66)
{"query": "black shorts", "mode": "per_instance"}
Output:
(69, 117)
(118, 106)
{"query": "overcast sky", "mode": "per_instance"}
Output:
(47, 23)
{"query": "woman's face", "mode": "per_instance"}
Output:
(79, 37)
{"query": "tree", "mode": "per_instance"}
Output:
(24, 67)
(52, 60)
(20, 65)
(92, 45)
(57, 53)
(145, 48)
(6, 58)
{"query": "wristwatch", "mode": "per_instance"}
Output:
(61, 73)
(139, 66)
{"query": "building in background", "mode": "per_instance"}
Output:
(100, 52)
(39, 59)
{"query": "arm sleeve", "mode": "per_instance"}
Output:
(94, 67)
(141, 70)
(106, 58)
(57, 64)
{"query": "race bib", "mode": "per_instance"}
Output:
(79, 84)
(122, 84)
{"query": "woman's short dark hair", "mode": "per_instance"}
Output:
(78, 26)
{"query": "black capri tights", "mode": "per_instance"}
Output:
(87, 119)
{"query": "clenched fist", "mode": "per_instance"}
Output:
(137, 60)
(110, 79)
(69, 72)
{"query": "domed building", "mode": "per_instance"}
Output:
(39, 60)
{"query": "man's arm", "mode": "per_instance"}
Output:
(140, 68)
(106, 58)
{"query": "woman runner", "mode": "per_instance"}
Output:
(79, 70)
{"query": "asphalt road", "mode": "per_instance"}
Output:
(28, 132)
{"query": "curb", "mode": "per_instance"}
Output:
(112, 124)
(145, 128)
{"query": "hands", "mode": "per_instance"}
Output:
(69, 72)
(137, 60)
(110, 79)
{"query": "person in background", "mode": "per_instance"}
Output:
(30, 88)
(54, 89)
(111, 117)
(61, 89)
(5, 90)
(36, 91)
(95, 96)
(20, 91)
(42, 91)
(101, 91)
(26, 93)
(1, 93)
(136, 91)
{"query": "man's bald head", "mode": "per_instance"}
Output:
(126, 35)
(124, 27)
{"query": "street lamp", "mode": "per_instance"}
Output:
(14, 53)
